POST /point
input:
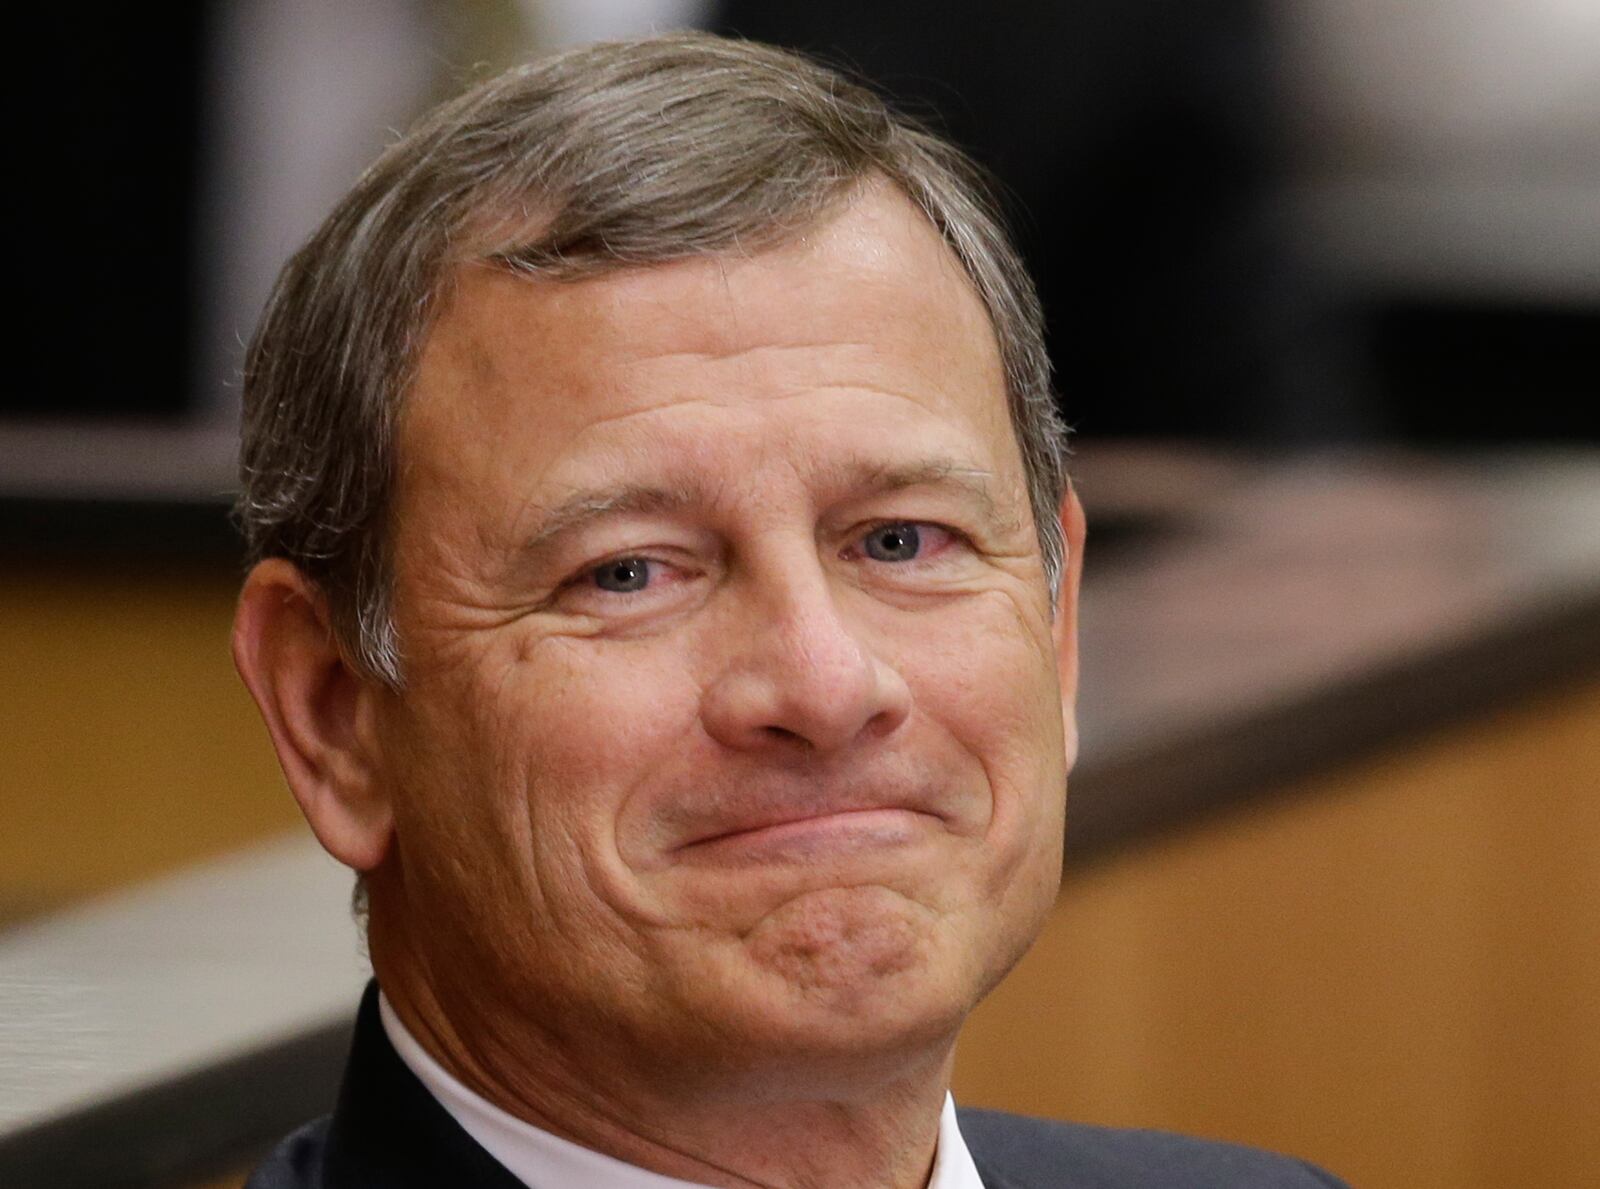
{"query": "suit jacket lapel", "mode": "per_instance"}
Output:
(387, 1131)
(992, 1179)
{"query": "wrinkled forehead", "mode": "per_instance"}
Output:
(873, 294)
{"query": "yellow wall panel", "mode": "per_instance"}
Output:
(1392, 970)
(127, 744)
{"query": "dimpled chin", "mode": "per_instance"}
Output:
(842, 943)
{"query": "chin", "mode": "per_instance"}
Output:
(842, 987)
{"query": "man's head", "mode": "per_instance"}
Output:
(662, 596)
(602, 159)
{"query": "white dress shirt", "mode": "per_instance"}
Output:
(544, 1161)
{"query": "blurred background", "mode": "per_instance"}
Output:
(1323, 283)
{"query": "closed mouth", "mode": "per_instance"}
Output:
(817, 832)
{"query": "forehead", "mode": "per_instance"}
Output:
(871, 302)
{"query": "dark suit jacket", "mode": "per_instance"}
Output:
(388, 1132)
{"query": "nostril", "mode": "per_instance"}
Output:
(883, 723)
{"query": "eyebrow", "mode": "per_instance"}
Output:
(975, 482)
(586, 507)
(861, 476)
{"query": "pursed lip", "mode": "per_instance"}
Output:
(864, 817)
(756, 813)
(814, 838)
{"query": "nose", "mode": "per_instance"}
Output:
(800, 679)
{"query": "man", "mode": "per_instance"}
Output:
(665, 599)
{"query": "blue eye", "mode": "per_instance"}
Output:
(893, 542)
(623, 576)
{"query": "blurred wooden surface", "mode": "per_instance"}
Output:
(1275, 618)
(128, 745)
(1393, 973)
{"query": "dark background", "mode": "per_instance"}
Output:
(1142, 146)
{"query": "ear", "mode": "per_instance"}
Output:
(1065, 628)
(318, 709)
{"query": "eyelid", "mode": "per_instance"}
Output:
(579, 594)
(862, 533)
(648, 543)
(590, 570)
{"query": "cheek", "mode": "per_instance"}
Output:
(594, 721)
(515, 770)
(988, 680)
(986, 670)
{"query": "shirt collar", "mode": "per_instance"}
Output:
(539, 1159)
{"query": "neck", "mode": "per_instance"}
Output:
(874, 1124)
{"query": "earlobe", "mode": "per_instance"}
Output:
(318, 709)
(1074, 530)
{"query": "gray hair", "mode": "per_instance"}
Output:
(605, 157)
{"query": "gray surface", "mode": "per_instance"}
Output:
(118, 462)
(186, 972)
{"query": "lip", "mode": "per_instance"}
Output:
(700, 816)
(813, 836)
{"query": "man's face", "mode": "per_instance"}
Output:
(732, 729)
